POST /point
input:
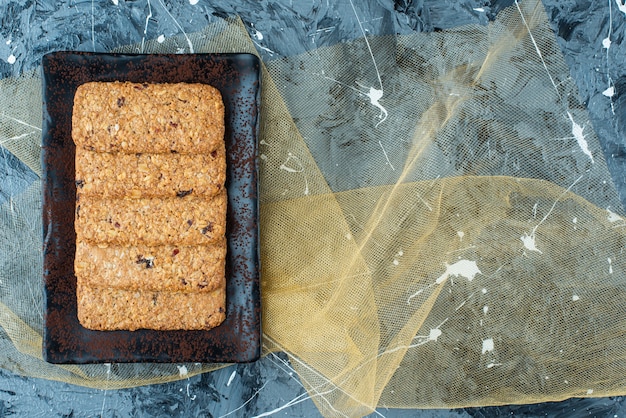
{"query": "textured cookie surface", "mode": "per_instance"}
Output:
(158, 221)
(117, 175)
(119, 309)
(152, 118)
(196, 268)
(151, 204)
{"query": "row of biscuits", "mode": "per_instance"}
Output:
(151, 203)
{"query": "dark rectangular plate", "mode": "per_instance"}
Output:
(238, 339)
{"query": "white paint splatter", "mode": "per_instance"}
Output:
(484, 291)
(290, 157)
(193, 398)
(300, 169)
(416, 294)
(464, 302)
(189, 43)
(115, 2)
(577, 131)
(589, 391)
(606, 42)
(263, 157)
(258, 35)
(182, 370)
(161, 39)
(621, 6)
(532, 38)
(485, 309)
(348, 236)
(395, 262)
(145, 28)
(108, 366)
(230, 379)
(375, 95)
(193, 2)
(479, 9)
(434, 334)
(610, 92)
(268, 413)
(93, 25)
(263, 48)
(11, 59)
(613, 217)
(575, 298)
(465, 268)
(386, 156)
(492, 364)
(487, 345)
(461, 234)
(8, 42)
(575, 220)
(610, 265)
(529, 242)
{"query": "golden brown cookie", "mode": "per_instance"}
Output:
(196, 268)
(157, 221)
(152, 118)
(106, 174)
(116, 309)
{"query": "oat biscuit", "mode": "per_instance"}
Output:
(158, 221)
(118, 309)
(152, 118)
(196, 268)
(106, 174)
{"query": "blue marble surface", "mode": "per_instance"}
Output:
(29, 29)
